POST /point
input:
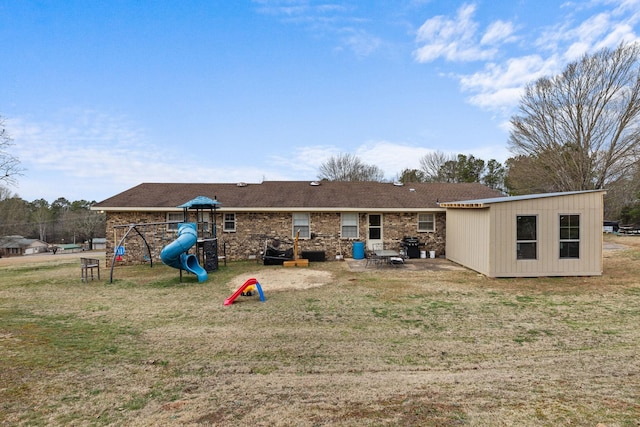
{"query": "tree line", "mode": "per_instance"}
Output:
(61, 221)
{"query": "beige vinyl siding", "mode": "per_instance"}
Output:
(468, 240)
(548, 210)
(482, 235)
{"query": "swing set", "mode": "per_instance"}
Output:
(120, 250)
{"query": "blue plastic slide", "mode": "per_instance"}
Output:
(175, 253)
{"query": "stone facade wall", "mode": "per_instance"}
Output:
(253, 230)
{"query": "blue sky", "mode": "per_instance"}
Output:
(100, 96)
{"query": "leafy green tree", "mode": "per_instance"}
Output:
(469, 169)
(14, 215)
(411, 175)
(439, 167)
(494, 175)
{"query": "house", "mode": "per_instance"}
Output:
(554, 234)
(330, 215)
(18, 245)
(98, 243)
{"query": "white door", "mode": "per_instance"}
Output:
(374, 231)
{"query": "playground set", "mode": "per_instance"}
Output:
(177, 253)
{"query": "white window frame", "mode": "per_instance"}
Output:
(569, 239)
(174, 216)
(301, 221)
(424, 221)
(349, 220)
(225, 221)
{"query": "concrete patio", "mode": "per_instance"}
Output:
(413, 264)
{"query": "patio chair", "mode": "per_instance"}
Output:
(86, 268)
(372, 259)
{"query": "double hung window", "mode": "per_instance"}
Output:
(426, 222)
(349, 226)
(569, 236)
(229, 224)
(526, 237)
(301, 223)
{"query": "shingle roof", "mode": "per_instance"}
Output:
(297, 195)
(8, 242)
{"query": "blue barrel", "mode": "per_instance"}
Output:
(358, 250)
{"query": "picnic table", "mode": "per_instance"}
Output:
(389, 257)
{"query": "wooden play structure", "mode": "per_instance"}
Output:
(296, 261)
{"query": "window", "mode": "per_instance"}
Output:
(375, 227)
(301, 223)
(569, 236)
(174, 216)
(229, 222)
(426, 222)
(526, 237)
(349, 226)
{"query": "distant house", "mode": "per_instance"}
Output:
(554, 234)
(98, 243)
(329, 215)
(18, 245)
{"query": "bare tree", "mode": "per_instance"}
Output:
(86, 224)
(9, 164)
(580, 130)
(433, 164)
(347, 167)
(41, 217)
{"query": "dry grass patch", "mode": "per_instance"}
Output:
(328, 347)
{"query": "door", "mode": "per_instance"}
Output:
(374, 232)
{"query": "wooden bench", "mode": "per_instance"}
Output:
(87, 265)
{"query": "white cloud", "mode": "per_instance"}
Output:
(456, 39)
(90, 155)
(326, 19)
(498, 84)
(498, 31)
(391, 157)
(361, 42)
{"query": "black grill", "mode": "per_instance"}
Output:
(412, 245)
